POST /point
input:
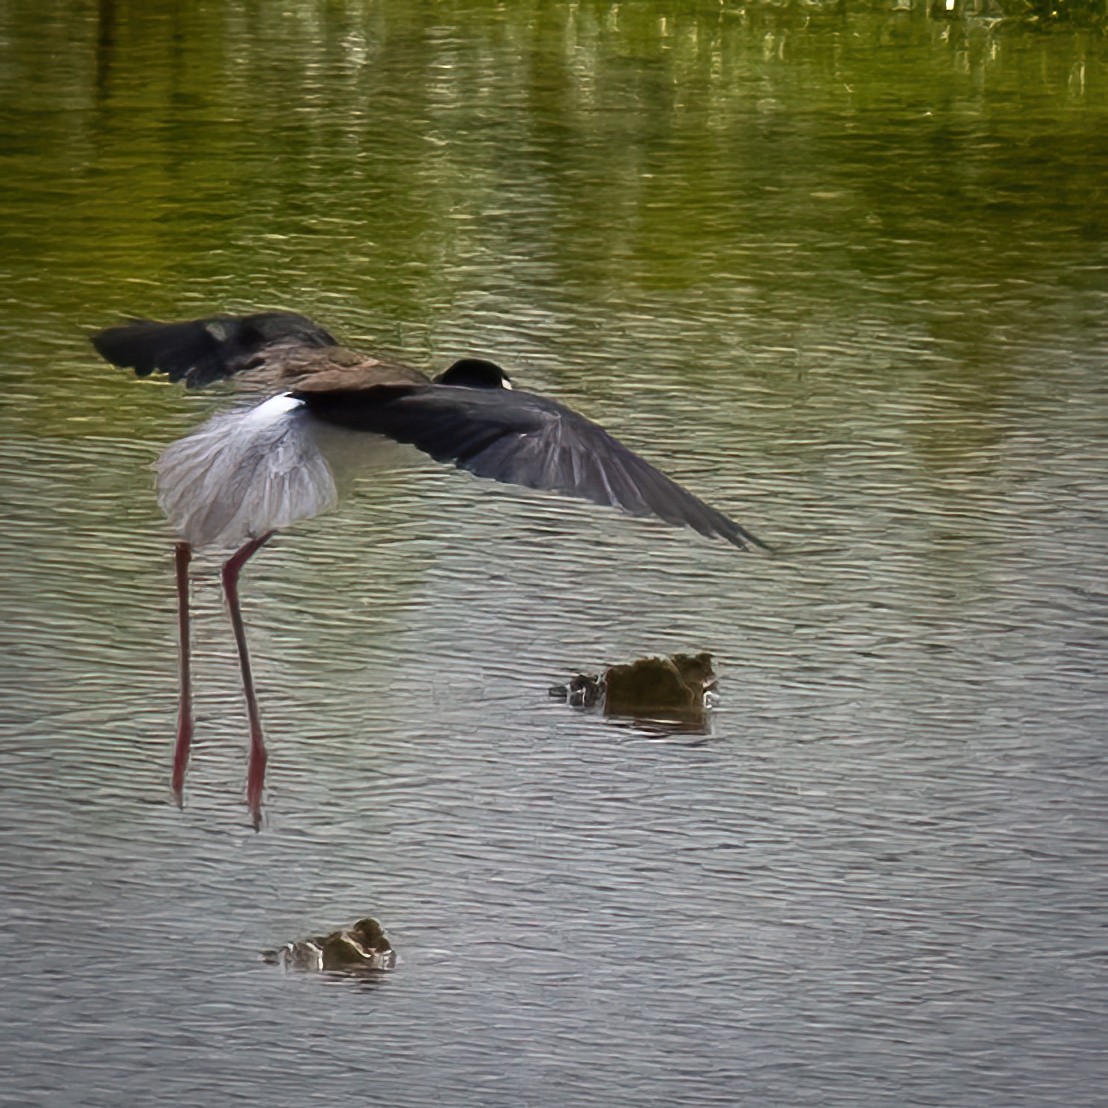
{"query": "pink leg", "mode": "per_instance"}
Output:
(255, 774)
(182, 557)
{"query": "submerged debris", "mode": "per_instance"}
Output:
(667, 690)
(583, 690)
(360, 948)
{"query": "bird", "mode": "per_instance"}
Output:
(234, 481)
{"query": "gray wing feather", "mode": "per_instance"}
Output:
(201, 351)
(525, 439)
(243, 474)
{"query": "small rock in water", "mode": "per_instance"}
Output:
(360, 948)
(676, 689)
(583, 690)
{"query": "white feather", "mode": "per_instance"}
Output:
(245, 473)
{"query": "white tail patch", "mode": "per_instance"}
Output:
(243, 474)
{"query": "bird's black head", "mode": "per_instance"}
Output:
(475, 373)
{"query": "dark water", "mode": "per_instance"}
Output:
(844, 272)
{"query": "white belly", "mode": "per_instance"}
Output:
(245, 473)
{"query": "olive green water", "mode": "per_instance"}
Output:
(841, 270)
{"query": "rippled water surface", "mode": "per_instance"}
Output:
(841, 271)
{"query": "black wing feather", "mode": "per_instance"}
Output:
(201, 351)
(524, 439)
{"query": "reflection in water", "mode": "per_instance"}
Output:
(842, 271)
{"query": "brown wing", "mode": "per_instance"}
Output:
(282, 347)
(342, 370)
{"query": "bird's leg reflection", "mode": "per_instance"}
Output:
(255, 774)
(182, 557)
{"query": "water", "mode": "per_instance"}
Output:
(840, 271)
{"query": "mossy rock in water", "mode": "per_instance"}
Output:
(664, 689)
(360, 948)
(660, 688)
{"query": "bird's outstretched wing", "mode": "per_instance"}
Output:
(524, 439)
(201, 351)
(503, 434)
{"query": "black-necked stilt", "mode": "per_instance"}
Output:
(245, 474)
